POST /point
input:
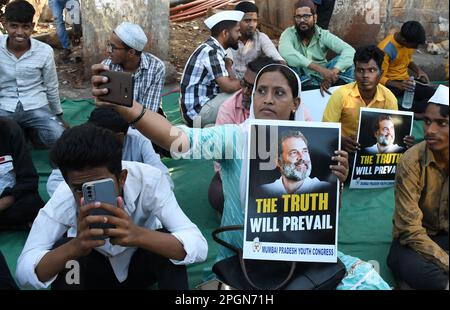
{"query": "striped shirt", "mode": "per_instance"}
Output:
(148, 80)
(259, 45)
(198, 84)
(31, 79)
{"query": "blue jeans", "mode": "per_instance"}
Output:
(42, 121)
(57, 7)
(348, 76)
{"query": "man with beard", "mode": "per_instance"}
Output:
(252, 44)
(384, 132)
(295, 166)
(305, 47)
(419, 252)
(206, 83)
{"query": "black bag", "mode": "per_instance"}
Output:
(274, 275)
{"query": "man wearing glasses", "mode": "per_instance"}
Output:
(305, 46)
(252, 43)
(125, 50)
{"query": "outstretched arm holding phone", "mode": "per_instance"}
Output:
(152, 125)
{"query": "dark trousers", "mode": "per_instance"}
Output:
(6, 280)
(159, 150)
(421, 96)
(21, 213)
(411, 267)
(324, 13)
(146, 269)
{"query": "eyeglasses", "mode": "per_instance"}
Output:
(304, 17)
(246, 85)
(111, 47)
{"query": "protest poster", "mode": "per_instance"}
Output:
(292, 195)
(380, 134)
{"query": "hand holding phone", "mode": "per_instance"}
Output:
(120, 87)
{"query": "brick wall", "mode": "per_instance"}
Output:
(362, 22)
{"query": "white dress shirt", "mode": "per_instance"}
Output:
(31, 79)
(147, 196)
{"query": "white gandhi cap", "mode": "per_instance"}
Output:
(237, 16)
(440, 96)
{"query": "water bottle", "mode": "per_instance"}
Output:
(408, 96)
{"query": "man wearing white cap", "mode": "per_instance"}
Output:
(125, 48)
(206, 83)
(419, 252)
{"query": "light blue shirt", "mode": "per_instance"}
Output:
(31, 79)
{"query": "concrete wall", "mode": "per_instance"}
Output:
(100, 17)
(361, 22)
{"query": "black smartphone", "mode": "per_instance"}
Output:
(102, 191)
(120, 87)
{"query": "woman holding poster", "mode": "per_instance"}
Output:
(276, 96)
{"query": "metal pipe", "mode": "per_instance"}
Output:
(178, 2)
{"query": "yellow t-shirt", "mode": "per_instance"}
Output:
(345, 103)
(396, 60)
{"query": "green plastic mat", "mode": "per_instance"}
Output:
(365, 221)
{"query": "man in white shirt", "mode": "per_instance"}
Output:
(384, 132)
(252, 43)
(294, 163)
(129, 256)
(28, 80)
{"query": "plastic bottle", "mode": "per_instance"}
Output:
(408, 96)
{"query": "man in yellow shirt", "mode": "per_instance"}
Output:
(399, 49)
(345, 103)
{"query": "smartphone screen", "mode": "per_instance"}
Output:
(101, 191)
